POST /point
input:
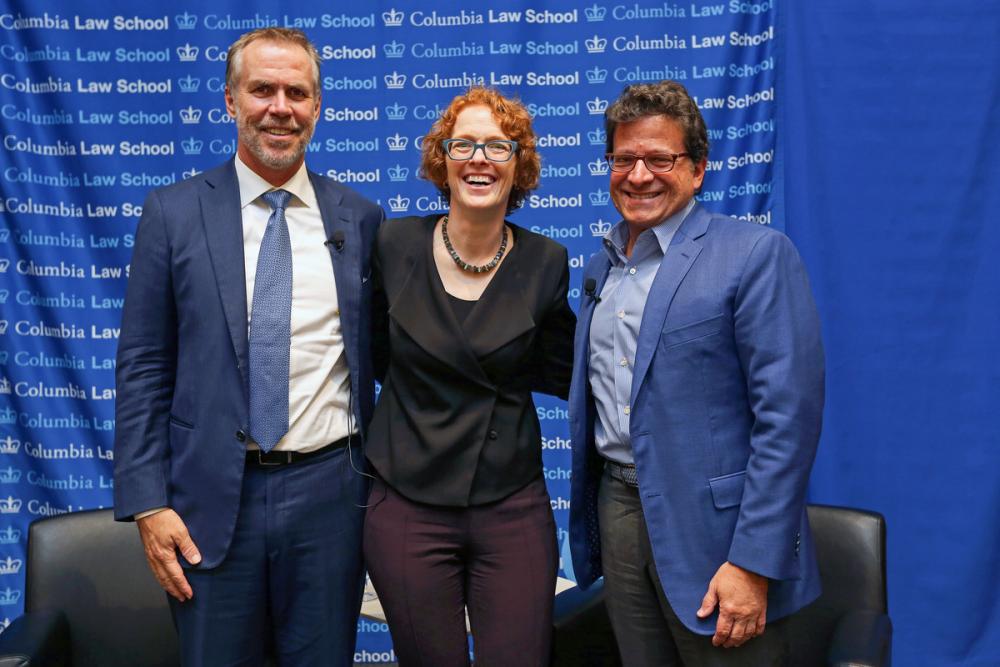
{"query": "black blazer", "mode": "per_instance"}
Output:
(455, 424)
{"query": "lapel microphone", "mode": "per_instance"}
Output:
(337, 240)
(590, 289)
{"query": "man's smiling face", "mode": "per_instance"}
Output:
(643, 198)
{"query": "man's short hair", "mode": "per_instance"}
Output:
(286, 35)
(665, 98)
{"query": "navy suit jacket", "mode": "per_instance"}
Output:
(182, 394)
(726, 406)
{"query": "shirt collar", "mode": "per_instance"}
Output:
(252, 185)
(617, 236)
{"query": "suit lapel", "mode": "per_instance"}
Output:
(346, 261)
(598, 269)
(677, 261)
(422, 310)
(223, 223)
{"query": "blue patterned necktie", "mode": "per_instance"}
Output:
(270, 328)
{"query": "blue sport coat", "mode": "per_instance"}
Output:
(726, 407)
(182, 394)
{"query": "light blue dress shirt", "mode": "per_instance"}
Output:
(614, 329)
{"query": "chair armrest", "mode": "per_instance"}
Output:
(862, 638)
(36, 639)
(583, 635)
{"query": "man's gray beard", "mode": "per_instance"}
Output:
(255, 144)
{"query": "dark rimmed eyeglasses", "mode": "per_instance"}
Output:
(499, 150)
(658, 163)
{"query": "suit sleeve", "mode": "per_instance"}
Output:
(777, 335)
(555, 345)
(146, 368)
(380, 310)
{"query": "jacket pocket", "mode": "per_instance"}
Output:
(727, 490)
(176, 421)
(690, 332)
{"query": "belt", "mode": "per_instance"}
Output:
(258, 457)
(624, 473)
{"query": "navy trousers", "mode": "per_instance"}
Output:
(291, 583)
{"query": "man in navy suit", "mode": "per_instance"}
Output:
(245, 382)
(695, 408)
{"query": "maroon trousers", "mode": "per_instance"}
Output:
(429, 563)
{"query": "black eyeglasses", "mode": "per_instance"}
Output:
(658, 163)
(499, 150)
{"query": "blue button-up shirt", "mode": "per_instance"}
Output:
(614, 329)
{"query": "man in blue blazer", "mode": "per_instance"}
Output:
(245, 382)
(695, 408)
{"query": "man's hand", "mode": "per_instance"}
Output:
(742, 599)
(162, 535)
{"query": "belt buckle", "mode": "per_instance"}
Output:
(260, 458)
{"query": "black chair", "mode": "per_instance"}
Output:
(848, 626)
(90, 599)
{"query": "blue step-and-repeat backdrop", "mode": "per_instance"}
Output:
(100, 103)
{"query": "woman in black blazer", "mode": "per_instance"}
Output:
(474, 318)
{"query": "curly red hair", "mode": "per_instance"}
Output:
(512, 117)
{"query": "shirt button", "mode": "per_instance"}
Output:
(627, 410)
(632, 271)
(241, 436)
(621, 314)
(623, 362)
(493, 435)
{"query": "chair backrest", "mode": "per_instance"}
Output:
(850, 551)
(94, 570)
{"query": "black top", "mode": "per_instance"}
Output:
(455, 424)
(461, 307)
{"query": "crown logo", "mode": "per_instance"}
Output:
(4, 234)
(392, 18)
(595, 44)
(10, 475)
(600, 228)
(192, 146)
(189, 84)
(10, 536)
(4, 293)
(10, 566)
(597, 106)
(9, 445)
(597, 75)
(10, 505)
(595, 13)
(393, 49)
(190, 173)
(395, 80)
(4, 386)
(9, 596)
(599, 198)
(186, 21)
(598, 168)
(397, 142)
(190, 115)
(399, 204)
(398, 173)
(597, 137)
(8, 416)
(4, 263)
(396, 112)
(187, 53)
(3, 327)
